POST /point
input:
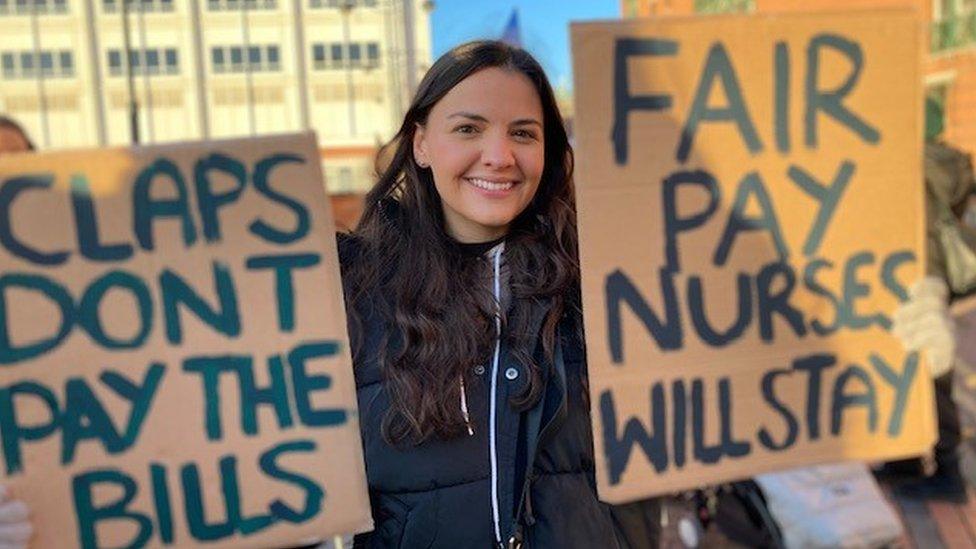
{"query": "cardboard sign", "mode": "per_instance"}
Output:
(750, 211)
(174, 366)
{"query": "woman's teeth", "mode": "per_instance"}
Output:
(491, 185)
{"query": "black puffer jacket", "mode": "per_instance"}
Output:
(462, 492)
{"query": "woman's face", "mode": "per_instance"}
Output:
(483, 141)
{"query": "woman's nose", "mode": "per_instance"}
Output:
(497, 152)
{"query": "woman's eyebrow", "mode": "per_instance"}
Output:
(526, 122)
(470, 115)
(479, 118)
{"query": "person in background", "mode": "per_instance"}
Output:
(13, 138)
(951, 274)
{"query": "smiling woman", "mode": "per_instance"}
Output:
(462, 286)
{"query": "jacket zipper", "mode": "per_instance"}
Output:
(496, 261)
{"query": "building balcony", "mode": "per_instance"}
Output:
(953, 32)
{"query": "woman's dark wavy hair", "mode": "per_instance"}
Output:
(440, 307)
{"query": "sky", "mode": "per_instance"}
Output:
(544, 24)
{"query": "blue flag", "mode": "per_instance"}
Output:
(512, 35)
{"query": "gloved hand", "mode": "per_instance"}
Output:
(15, 527)
(923, 324)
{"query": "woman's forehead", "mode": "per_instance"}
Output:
(494, 94)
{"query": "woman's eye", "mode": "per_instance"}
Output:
(524, 134)
(466, 128)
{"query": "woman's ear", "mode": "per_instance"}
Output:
(420, 147)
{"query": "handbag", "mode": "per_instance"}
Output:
(837, 505)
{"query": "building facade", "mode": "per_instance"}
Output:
(949, 64)
(202, 69)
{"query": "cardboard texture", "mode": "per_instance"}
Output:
(174, 366)
(750, 211)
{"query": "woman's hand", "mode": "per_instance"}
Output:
(15, 527)
(923, 324)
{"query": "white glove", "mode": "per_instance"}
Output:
(15, 527)
(923, 324)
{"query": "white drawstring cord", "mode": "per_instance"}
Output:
(493, 404)
(464, 409)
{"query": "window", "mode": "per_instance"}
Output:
(152, 61)
(145, 6)
(217, 59)
(134, 60)
(236, 59)
(31, 64)
(172, 61)
(27, 63)
(234, 5)
(67, 63)
(355, 55)
(114, 62)
(373, 53)
(148, 61)
(254, 57)
(273, 58)
(40, 7)
(338, 55)
(47, 63)
(336, 4)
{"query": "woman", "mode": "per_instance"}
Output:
(462, 285)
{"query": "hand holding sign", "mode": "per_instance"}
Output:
(15, 526)
(924, 324)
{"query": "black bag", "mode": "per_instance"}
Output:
(741, 516)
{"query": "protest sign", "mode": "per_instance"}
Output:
(174, 365)
(751, 213)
